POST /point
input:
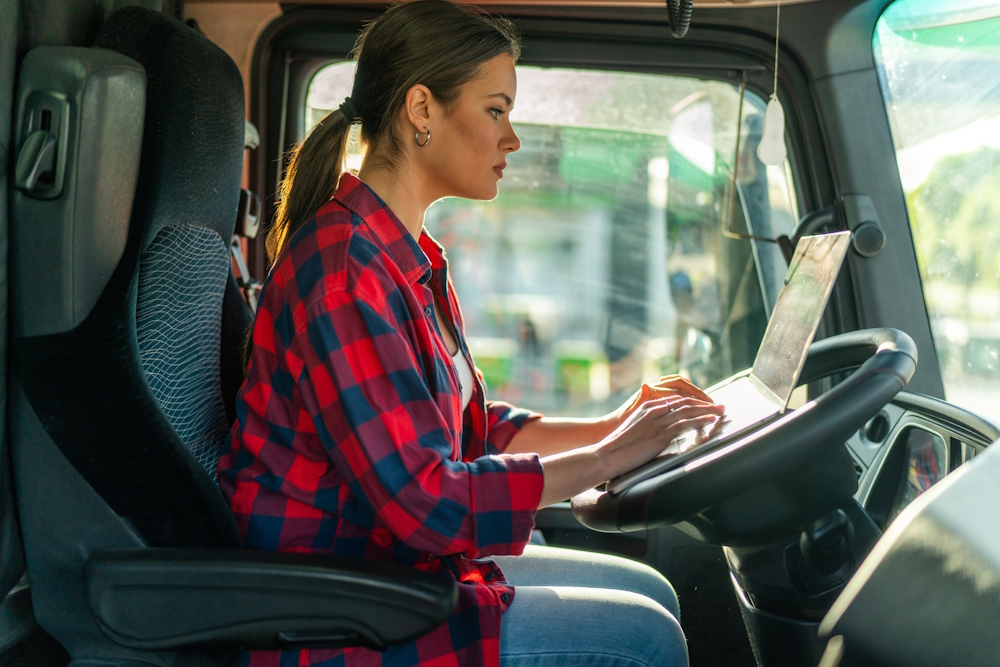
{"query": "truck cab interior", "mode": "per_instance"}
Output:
(638, 233)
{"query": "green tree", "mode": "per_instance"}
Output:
(955, 215)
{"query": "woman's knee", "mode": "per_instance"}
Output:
(653, 585)
(553, 566)
(629, 575)
(569, 626)
(649, 623)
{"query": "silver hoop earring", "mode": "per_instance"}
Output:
(416, 137)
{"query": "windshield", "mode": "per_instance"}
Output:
(602, 263)
(939, 68)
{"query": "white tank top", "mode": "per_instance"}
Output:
(464, 377)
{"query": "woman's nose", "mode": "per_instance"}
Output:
(510, 141)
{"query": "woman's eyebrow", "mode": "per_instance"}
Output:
(505, 96)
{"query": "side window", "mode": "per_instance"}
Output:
(939, 68)
(602, 263)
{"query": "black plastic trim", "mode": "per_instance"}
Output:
(227, 598)
(979, 429)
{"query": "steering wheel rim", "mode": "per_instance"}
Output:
(882, 361)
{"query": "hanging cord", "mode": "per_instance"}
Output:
(679, 12)
(777, 40)
(734, 188)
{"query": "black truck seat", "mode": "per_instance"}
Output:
(125, 314)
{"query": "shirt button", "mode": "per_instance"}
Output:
(490, 577)
(505, 598)
(428, 312)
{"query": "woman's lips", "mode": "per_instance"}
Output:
(498, 170)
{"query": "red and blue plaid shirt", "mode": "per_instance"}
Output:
(350, 436)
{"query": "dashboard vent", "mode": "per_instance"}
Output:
(858, 470)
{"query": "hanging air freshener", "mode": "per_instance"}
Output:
(772, 144)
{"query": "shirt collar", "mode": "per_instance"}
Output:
(433, 250)
(404, 250)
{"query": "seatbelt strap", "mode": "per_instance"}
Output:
(247, 225)
(250, 285)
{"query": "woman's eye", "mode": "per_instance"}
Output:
(496, 112)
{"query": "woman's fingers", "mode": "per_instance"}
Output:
(677, 384)
(668, 387)
(675, 402)
(694, 423)
(666, 418)
(674, 421)
(652, 427)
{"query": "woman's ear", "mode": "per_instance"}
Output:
(417, 107)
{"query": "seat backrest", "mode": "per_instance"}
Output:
(121, 290)
(185, 210)
(132, 394)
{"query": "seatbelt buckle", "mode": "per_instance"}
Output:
(248, 215)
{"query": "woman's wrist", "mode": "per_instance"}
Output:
(570, 473)
(606, 425)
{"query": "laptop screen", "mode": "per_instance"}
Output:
(797, 313)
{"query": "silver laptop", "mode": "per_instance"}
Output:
(760, 396)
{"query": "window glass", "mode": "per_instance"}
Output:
(939, 68)
(925, 464)
(602, 262)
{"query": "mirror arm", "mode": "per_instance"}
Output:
(727, 228)
(809, 224)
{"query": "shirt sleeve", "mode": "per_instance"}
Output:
(377, 418)
(503, 422)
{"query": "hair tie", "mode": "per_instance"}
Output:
(349, 110)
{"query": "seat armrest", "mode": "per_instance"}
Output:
(230, 598)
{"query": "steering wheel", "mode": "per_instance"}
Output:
(790, 471)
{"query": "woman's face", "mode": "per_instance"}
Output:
(469, 143)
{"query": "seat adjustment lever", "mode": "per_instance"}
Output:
(36, 162)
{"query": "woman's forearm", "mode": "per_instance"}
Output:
(570, 473)
(640, 437)
(548, 436)
(553, 435)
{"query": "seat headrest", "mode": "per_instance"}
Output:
(193, 143)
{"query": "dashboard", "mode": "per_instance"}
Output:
(913, 443)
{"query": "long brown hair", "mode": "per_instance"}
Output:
(430, 42)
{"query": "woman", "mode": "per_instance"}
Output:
(361, 427)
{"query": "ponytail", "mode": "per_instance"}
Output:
(314, 170)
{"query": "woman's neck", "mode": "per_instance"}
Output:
(404, 193)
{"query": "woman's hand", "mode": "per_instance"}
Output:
(665, 387)
(652, 425)
(643, 434)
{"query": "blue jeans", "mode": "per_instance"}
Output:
(579, 609)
